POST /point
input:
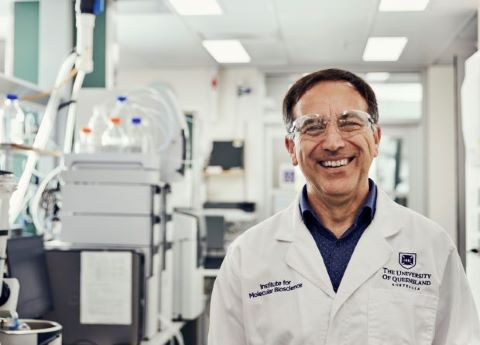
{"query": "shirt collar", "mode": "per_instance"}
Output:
(367, 210)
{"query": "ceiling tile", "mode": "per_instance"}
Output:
(157, 46)
(234, 26)
(295, 33)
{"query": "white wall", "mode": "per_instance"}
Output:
(240, 117)
(440, 148)
(191, 85)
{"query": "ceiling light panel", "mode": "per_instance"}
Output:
(227, 51)
(384, 48)
(196, 7)
(402, 5)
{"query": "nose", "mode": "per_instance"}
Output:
(332, 140)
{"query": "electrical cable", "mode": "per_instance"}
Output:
(66, 104)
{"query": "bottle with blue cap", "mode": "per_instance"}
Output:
(12, 121)
(122, 110)
(138, 137)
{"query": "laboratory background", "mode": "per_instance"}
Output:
(138, 138)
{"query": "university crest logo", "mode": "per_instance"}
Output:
(407, 260)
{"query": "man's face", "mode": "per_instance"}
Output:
(318, 156)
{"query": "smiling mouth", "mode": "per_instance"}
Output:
(336, 163)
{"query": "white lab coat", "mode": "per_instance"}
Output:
(273, 287)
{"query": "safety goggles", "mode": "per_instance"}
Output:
(348, 123)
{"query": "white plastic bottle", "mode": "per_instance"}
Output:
(135, 135)
(114, 138)
(139, 138)
(84, 143)
(12, 121)
(98, 123)
(31, 128)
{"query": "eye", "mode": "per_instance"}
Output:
(350, 122)
(313, 130)
(349, 125)
(313, 127)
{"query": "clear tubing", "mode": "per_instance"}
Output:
(41, 139)
(35, 204)
(72, 113)
(172, 117)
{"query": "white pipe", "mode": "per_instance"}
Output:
(71, 115)
(41, 139)
(85, 23)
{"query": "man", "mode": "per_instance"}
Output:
(343, 264)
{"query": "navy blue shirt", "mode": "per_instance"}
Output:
(336, 253)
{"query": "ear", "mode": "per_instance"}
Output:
(377, 134)
(290, 146)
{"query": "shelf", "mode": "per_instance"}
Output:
(231, 215)
(24, 149)
(224, 173)
(21, 88)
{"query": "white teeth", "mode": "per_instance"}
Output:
(335, 164)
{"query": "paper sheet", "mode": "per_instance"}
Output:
(106, 288)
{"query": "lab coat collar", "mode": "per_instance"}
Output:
(304, 257)
(385, 206)
(371, 253)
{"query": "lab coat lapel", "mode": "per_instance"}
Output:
(303, 255)
(371, 252)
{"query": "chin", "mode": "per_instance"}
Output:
(337, 188)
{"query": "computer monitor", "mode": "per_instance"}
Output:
(26, 261)
(227, 154)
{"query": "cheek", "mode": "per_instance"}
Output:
(305, 151)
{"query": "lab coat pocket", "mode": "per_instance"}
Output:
(401, 317)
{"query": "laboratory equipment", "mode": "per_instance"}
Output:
(27, 263)
(15, 331)
(37, 332)
(118, 201)
(188, 255)
(65, 272)
(8, 287)
(81, 58)
(215, 225)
